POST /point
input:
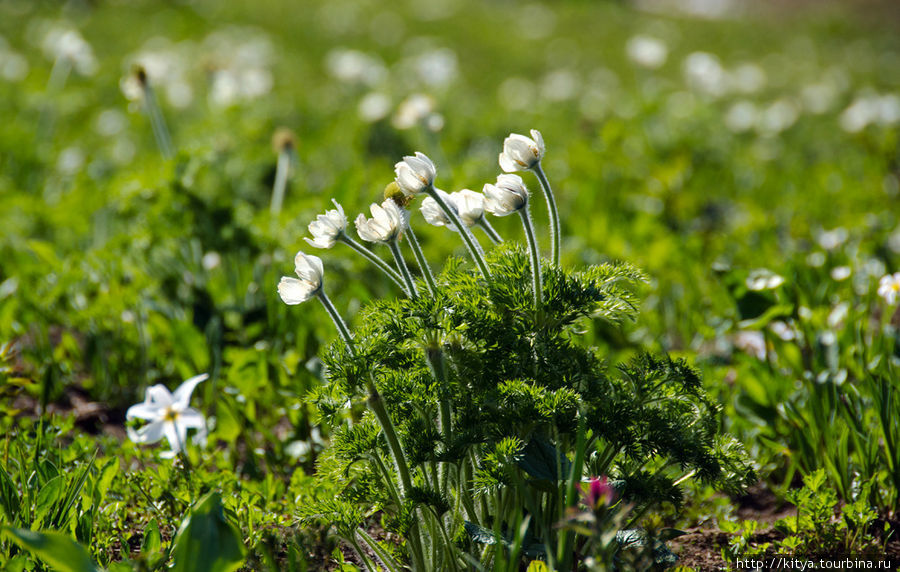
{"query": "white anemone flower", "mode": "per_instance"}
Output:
(509, 195)
(415, 174)
(169, 415)
(309, 269)
(386, 225)
(328, 227)
(889, 288)
(434, 214)
(521, 153)
(469, 206)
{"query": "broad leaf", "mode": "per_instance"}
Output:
(206, 540)
(59, 551)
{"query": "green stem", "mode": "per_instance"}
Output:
(553, 212)
(157, 122)
(374, 259)
(281, 178)
(466, 234)
(438, 366)
(342, 328)
(404, 270)
(536, 280)
(489, 230)
(420, 258)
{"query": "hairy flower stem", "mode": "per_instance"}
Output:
(420, 258)
(438, 366)
(376, 403)
(466, 234)
(339, 323)
(157, 121)
(282, 169)
(552, 210)
(374, 259)
(489, 230)
(537, 284)
(404, 270)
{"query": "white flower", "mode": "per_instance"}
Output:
(889, 288)
(763, 279)
(509, 195)
(415, 174)
(327, 227)
(169, 416)
(309, 269)
(752, 343)
(434, 214)
(647, 51)
(387, 223)
(469, 206)
(521, 153)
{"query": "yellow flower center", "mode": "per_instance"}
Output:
(170, 415)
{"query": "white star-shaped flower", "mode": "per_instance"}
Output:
(169, 415)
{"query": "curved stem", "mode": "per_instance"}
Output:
(466, 234)
(536, 280)
(342, 328)
(281, 179)
(404, 270)
(420, 258)
(553, 211)
(374, 259)
(375, 403)
(489, 230)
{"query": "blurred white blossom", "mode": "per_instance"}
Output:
(63, 43)
(763, 279)
(374, 106)
(647, 51)
(354, 66)
(889, 288)
(703, 72)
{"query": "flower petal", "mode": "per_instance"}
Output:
(149, 433)
(148, 411)
(182, 395)
(293, 291)
(158, 395)
(192, 419)
(176, 436)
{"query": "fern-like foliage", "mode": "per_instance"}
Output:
(515, 380)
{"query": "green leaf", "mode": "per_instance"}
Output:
(479, 534)
(544, 462)
(206, 540)
(152, 538)
(47, 499)
(9, 496)
(58, 550)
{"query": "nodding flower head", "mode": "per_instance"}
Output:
(309, 269)
(469, 205)
(521, 153)
(434, 214)
(387, 223)
(168, 415)
(328, 227)
(415, 174)
(509, 195)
